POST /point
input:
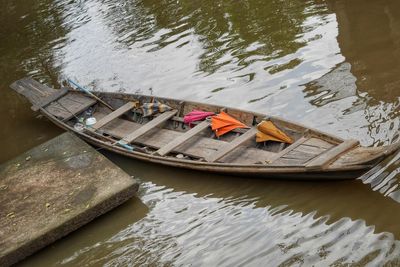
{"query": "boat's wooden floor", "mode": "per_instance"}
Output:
(203, 147)
(70, 105)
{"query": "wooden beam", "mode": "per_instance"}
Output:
(53, 97)
(32, 93)
(183, 138)
(288, 149)
(149, 126)
(251, 133)
(332, 154)
(69, 105)
(113, 115)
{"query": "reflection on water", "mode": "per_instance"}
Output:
(383, 178)
(29, 31)
(364, 91)
(233, 231)
(217, 220)
(330, 64)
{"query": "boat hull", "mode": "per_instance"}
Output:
(262, 171)
(313, 154)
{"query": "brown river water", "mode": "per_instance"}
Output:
(330, 64)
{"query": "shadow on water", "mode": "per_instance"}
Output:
(384, 178)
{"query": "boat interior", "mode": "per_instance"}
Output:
(120, 121)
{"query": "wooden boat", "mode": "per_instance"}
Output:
(165, 139)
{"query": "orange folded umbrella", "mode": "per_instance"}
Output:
(267, 131)
(222, 123)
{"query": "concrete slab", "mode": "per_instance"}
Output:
(52, 190)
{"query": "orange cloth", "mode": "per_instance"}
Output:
(267, 131)
(223, 123)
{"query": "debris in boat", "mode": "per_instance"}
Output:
(79, 127)
(90, 121)
(125, 145)
(102, 187)
(180, 156)
(28, 158)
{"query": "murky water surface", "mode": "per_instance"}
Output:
(333, 65)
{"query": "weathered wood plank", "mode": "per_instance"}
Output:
(290, 162)
(251, 133)
(150, 125)
(70, 105)
(32, 93)
(332, 154)
(246, 155)
(53, 97)
(358, 155)
(288, 149)
(183, 138)
(296, 154)
(317, 142)
(310, 149)
(35, 85)
(113, 115)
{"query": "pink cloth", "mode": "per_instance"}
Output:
(196, 115)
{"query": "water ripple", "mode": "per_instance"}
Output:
(236, 232)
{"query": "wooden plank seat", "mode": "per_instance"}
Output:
(33, 90)
(183, 138)
(149, 126)
(70, 105)
(113, 115)
(303, 150)
(288, 149)
(251, 133)
(198, 147)
(332, 154)
(53, 97)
